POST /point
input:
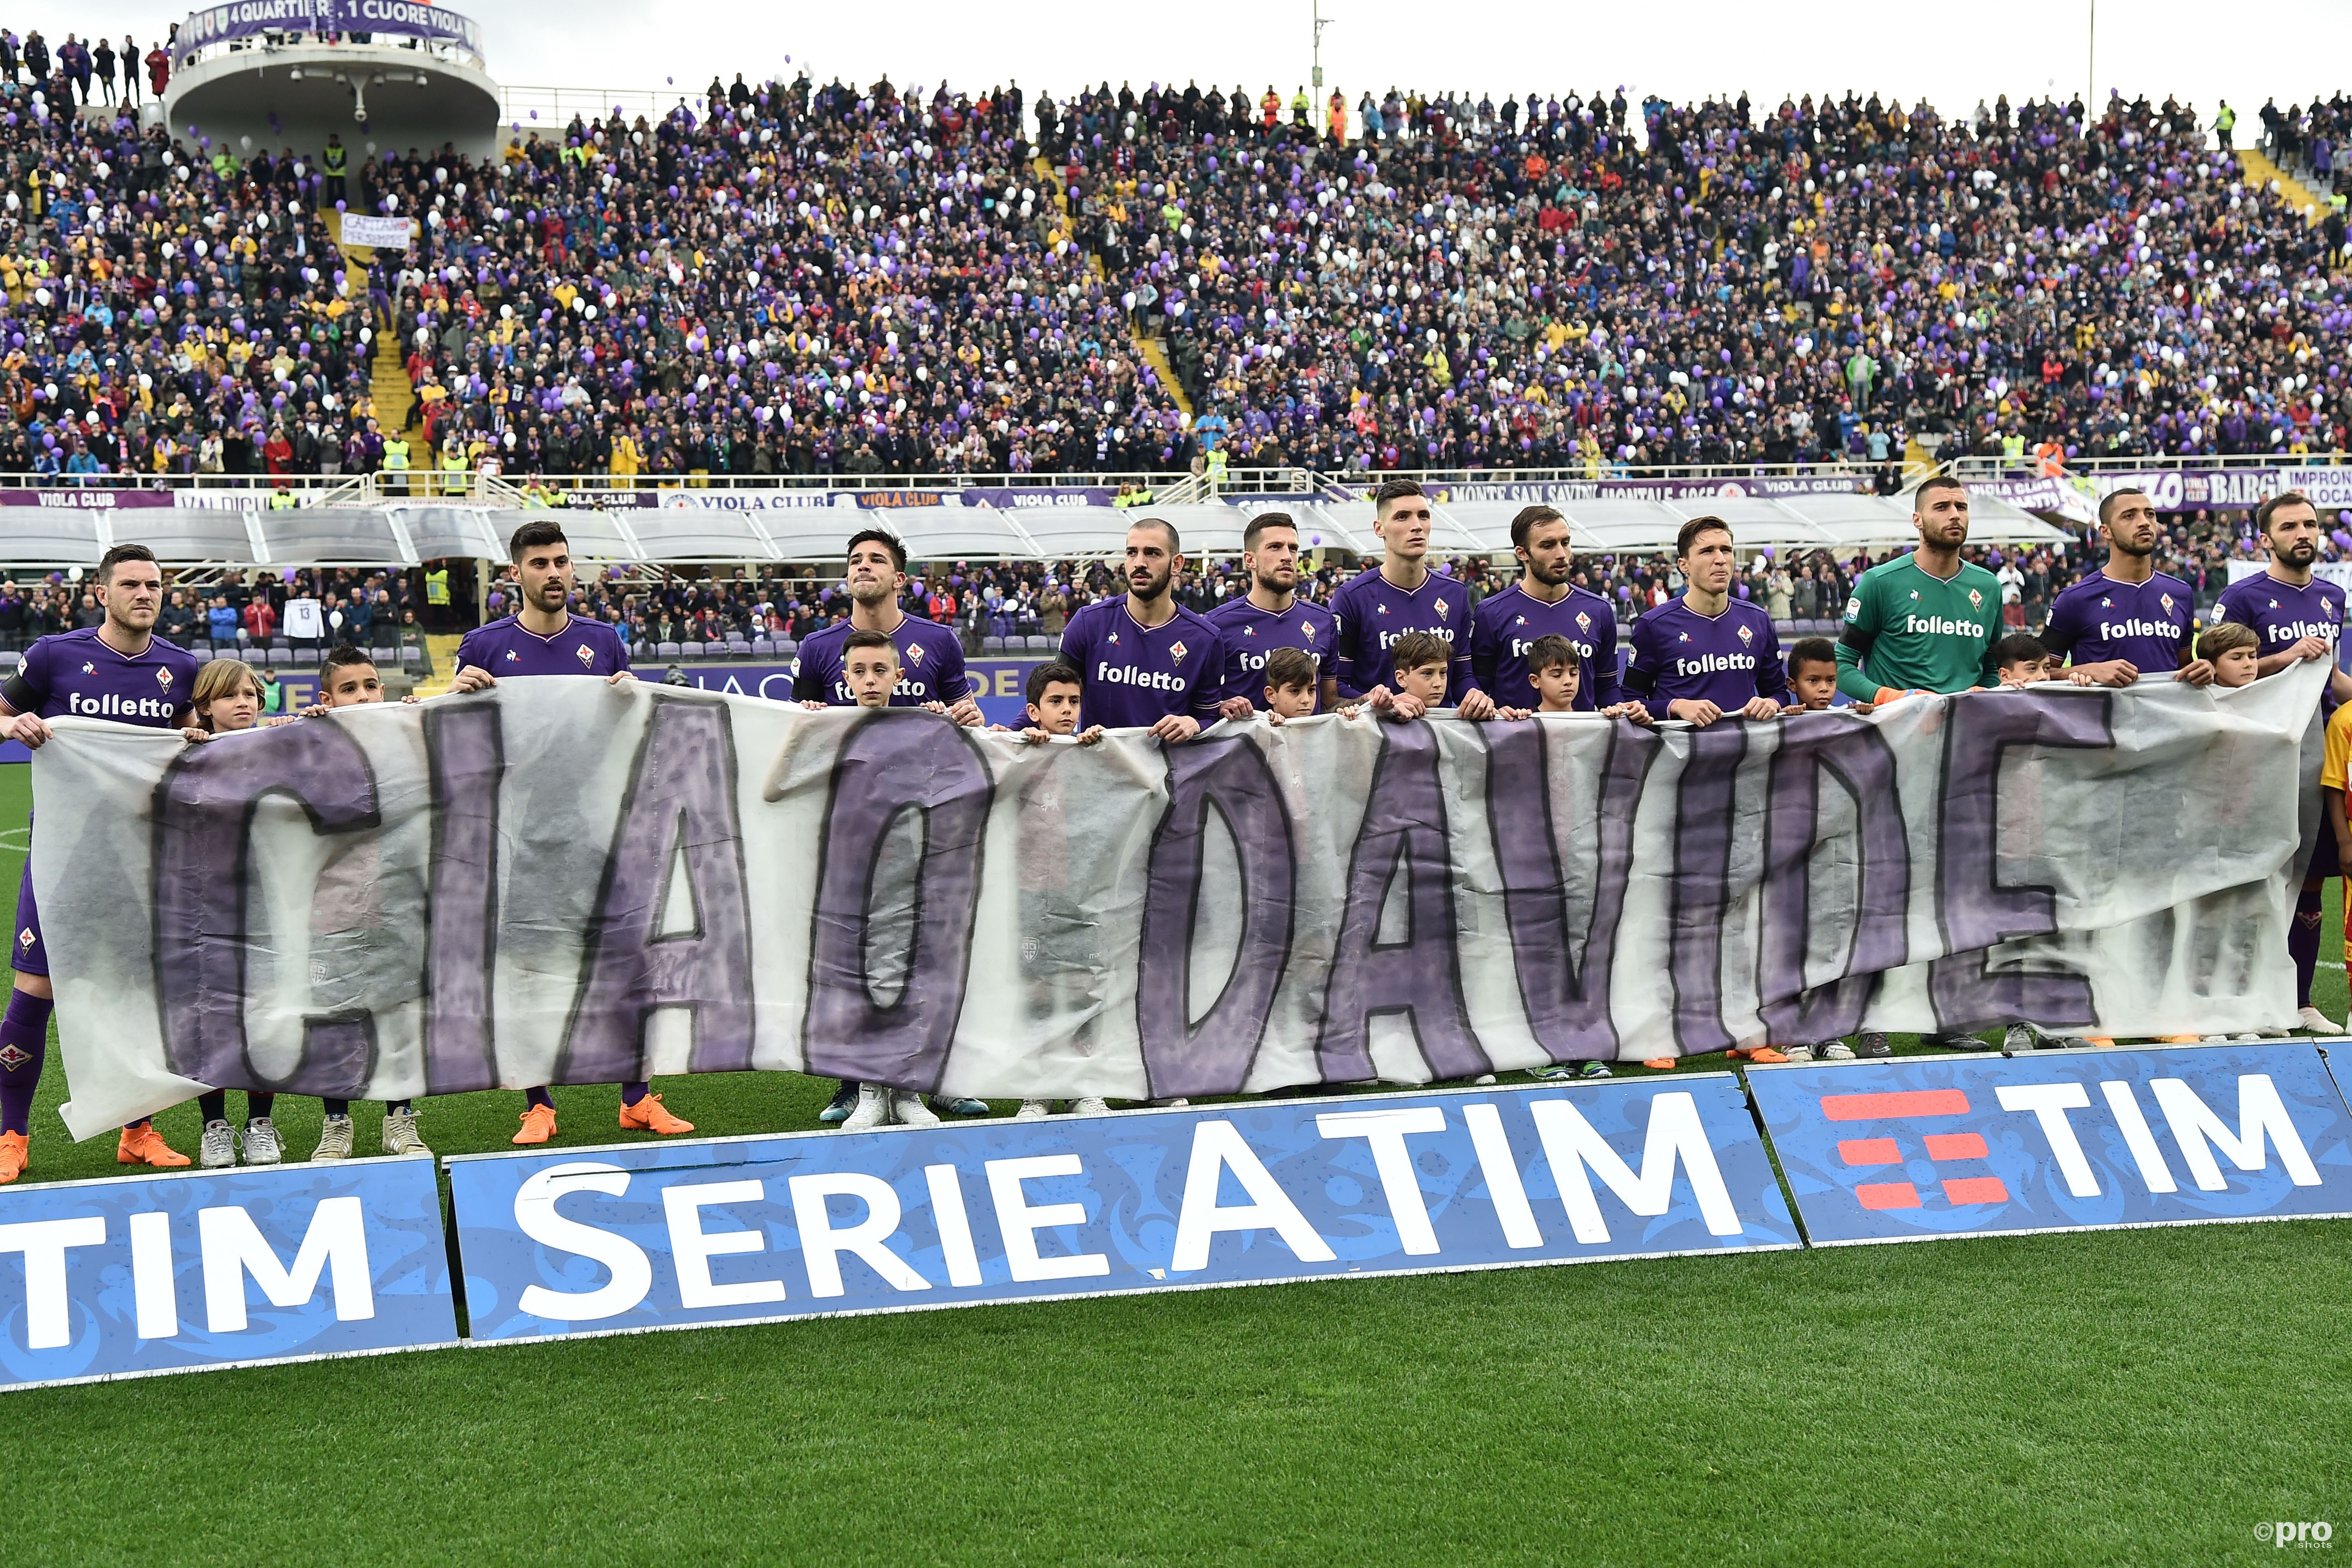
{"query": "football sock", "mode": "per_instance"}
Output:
(257, 1106)
(212, 1105)
(336, 1107)
(24, 1041)
(632, 1092)
(539, 1097)
(2303, 942)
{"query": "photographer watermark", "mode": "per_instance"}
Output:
(2295, 1532)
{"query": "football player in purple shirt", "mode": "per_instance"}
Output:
(1270, 615)
(544, 637)
(1375, 608)
(1704, 655)
(931, 656)
(120, 671)
(2127, 619)
(1505, 626)
(2297, 617)
(1144, 661)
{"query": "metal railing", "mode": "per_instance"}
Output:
(550, 108)
(235, 490)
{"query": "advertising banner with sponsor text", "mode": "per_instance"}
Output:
(1917, 1149)
(807, 1225)
(194, 1269)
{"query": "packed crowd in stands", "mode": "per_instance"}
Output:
(797, 278)
(788, 278)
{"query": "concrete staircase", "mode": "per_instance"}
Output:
(388, 386)
(2260, 170)
(441, 649)
(1153, 351)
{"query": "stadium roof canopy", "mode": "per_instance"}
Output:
(408, 535)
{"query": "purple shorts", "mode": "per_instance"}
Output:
(27, 954)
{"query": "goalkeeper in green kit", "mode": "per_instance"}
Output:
(1925, 622)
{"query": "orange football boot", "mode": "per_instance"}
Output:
(538, 1124)
(14, 1155)
(647, 1116)
(141, 1145)
(1764, 1053)
(1663, 1063)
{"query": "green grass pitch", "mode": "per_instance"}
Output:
(2125, 1397)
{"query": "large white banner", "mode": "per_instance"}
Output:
(392, 234)
(562, 882)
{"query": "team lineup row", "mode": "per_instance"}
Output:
(1391, 645)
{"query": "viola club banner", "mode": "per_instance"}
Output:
(562, 882)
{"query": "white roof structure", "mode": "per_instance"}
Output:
(716, 533)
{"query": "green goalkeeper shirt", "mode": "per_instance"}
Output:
(1904, 629)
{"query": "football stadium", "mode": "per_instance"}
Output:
(761, 708)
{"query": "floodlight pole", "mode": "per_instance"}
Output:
(2090, 69)
(1321, 22)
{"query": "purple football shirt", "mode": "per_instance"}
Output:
(2100, 618)
(2282, 614)
(931, 666)
(1249, 634)
(584, 647)
(1371, 613)
(1132, 676)
(1506, 624)
(1728, 659)
(74, 675)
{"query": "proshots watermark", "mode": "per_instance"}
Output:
(2284, 1532)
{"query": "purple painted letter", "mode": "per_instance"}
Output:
(896, 761)
(1403, 834)
(1563, 970)
(1976, 909)
(203, 817)
(1212, 1056)
(680, 811)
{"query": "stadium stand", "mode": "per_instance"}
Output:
(795, 279)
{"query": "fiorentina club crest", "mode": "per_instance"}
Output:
(1441, 610)
(13, 1056)
(1309, 629)
(1176, 652)
(915, 655)
(25, 938)
(2166, 602)
(1583, 621)
(586, 656)
(1746, 635)
(1976, 599)
(164, 679)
